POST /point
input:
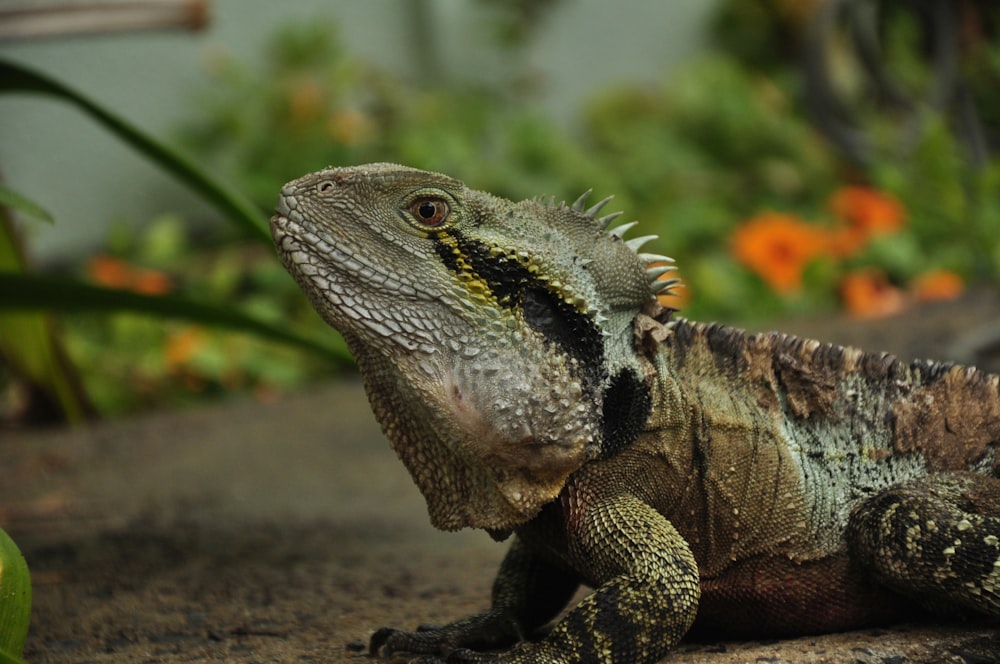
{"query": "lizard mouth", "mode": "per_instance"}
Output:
(308, 254)
(322, 264)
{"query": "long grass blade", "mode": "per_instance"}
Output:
(15, 78)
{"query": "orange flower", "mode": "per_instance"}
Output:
(181, 346)
(350, 127)
(151, 282)
(937, 285)
(306, 100)
(778, 247)
(868, 294)
(108, 271)
(867, 213)
(116, 273)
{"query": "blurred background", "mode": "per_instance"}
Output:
(796, 157)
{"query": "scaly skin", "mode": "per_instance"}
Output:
(519, 364)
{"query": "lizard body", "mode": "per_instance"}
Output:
(520, 365)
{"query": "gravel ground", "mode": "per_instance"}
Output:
(287, 531)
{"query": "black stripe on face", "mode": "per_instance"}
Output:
(561, 324)
(514, 287)
(626, 403)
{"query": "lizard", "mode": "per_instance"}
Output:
(696, 476)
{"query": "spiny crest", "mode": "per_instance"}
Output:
(657, 265)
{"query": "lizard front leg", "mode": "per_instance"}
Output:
(647, 587)
(528, 592)
(646, 599)
(936, 539)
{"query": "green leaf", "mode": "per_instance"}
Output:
(20, 292)
(23, 204)
(15, 600)
(14, 78)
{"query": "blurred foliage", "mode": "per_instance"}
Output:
(43, 383)
(131, 361)
(515, 22)
(723, 140)
(312, 105)
(30, 346)
(763, 215)
(695, 155)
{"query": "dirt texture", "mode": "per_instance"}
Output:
(287, 531)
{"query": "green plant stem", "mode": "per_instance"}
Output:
(21, 292)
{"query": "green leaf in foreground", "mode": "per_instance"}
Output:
(19, 292)
(15, 600)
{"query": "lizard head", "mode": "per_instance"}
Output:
(495, 339)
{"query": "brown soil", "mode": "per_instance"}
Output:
(287, 531)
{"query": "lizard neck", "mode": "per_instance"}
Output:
(488, 439)
(491, 433)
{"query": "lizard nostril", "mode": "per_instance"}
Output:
(325, 186)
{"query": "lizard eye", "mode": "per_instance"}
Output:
(430, 211)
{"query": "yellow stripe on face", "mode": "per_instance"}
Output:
(474, 284)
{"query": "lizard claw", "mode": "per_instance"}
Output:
(459, 656)
(426, 641)
(464, 656)
(378, 640)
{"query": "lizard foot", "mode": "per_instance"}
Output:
(522, 653)
(488, 630)
(460, 656)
